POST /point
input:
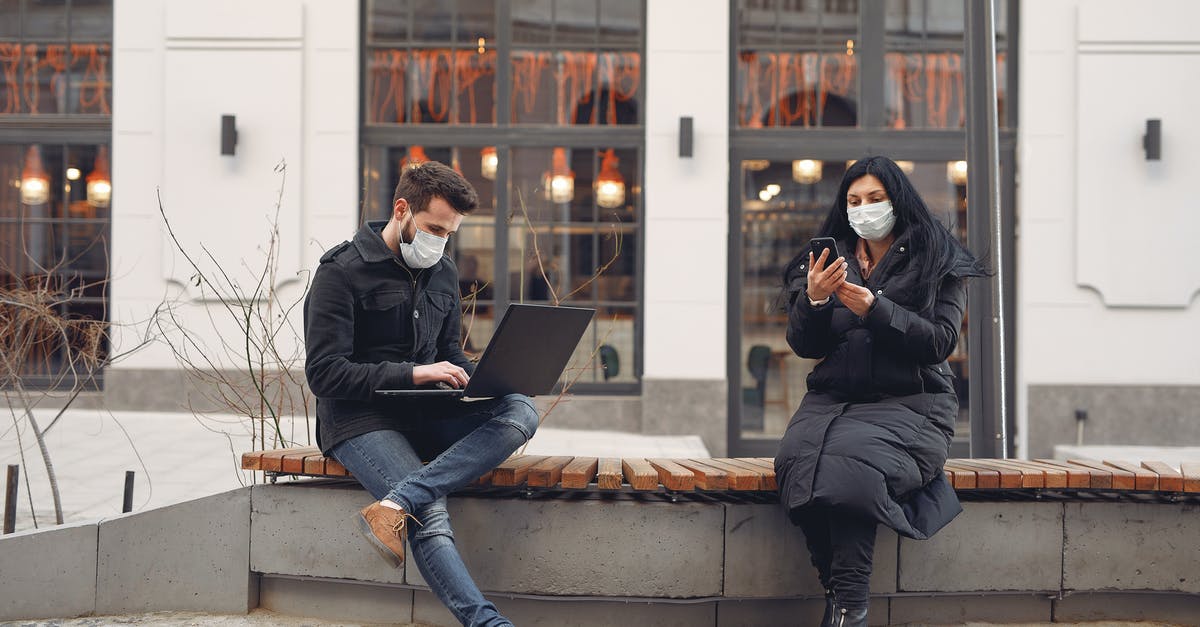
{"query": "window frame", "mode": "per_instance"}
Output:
(65, 130)
(869, 136)
(505, 136)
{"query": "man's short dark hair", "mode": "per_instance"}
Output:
(422, 183)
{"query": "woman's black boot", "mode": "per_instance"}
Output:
(827, 618)
(846, 617)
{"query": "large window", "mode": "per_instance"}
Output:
(538, 104)
(55, 128)
(819, 84)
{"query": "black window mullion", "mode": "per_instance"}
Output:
(870, 50)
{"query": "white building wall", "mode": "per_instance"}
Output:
(288, 70)
(1107, 271)
(687, 198)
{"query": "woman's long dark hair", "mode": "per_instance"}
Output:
(936, 252)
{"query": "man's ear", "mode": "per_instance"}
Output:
(399, 208)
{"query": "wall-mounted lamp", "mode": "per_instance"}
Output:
(228, 134)
(1152, 140)
(685, 136)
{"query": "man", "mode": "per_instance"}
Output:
(383, 312)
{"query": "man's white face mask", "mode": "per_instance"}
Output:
(425, 249)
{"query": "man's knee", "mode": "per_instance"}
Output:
(433, 520)
(518, 411)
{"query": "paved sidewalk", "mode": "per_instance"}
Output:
(179, 456)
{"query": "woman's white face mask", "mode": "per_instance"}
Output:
(425, 249)
(872, 222)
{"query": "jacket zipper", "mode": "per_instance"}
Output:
(416, 313)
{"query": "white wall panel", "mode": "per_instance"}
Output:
(686, 197)
(1156, 21)
(1138, 220)
(684, 337)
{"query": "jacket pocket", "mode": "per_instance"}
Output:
(383, 319)
(433, 310)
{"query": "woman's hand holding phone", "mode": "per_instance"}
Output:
(825, 276)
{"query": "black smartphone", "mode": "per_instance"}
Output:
(818, 244)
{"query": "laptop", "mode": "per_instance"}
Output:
(527, 353)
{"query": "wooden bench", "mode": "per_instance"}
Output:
(982, 477)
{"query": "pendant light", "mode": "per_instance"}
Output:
(35, 183)
(610, 185)
(559, 182)
(489, 160)
(99, 181)
(806, 171)
(414, 157)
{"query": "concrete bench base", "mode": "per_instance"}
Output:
(292, 548)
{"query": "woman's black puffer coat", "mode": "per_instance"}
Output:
(874, 430)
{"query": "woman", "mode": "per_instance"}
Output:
(869, 440)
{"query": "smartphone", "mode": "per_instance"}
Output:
(818, 244)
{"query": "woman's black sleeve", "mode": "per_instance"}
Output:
(808, 327)
(929, 341)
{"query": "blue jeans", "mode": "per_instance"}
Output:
(466, 441)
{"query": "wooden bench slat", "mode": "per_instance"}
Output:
(1031, 477)
(272, 461)
(673, 476)
(548, 472)
(515, 470)
(1053, 476)
(985, 478)
(961, 477)
(706, 477)
(580, 472)
(252, 460)
(1100, 479)
(314, 464)
(1005, 478)
(739, 478)
(766, 472)
(1076, 477)
(1142, 479)
(1169, 479)
(335, 468)
(1117, 479)
(293, 463)
(608, 474)
(639, 474)
(1191, 476)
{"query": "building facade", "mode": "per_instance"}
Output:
(661, 174)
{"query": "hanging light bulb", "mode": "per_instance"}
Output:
(489, 160)
(610, 185)
(906, 166)
(559, 182)
(806, 171)
(956, 172)
(35, 183)
(99, 181)
(414, 157)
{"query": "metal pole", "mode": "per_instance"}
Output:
(127, 502)
(989, 436)
(10, 498)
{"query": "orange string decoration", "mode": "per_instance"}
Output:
(472, 67)
(526, 73)
(788, 81)
(21, 74)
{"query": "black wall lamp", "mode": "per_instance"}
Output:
(685, 136)
(1152, 140)
(228, 134)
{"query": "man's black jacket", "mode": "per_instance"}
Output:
(368, 320)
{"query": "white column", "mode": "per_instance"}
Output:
(686, 222)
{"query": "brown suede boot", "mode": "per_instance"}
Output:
(385, 528)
